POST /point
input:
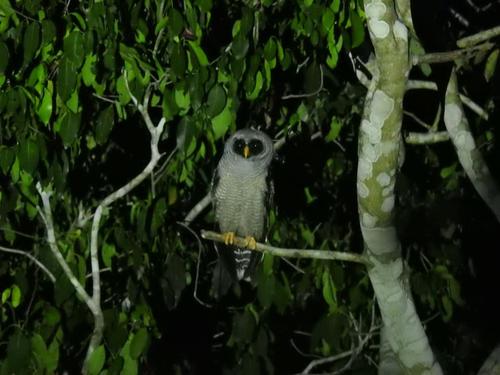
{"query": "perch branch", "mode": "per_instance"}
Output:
(32, 258)
(289, 253)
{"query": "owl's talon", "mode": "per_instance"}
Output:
(250, 243)
(228, 238)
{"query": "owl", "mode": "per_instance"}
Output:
(242, 193)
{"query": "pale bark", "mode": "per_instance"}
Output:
(492, 364)
(379, 148)
(468, 154)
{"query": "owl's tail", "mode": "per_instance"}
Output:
(242, 259)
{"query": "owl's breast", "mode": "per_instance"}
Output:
(240, 204)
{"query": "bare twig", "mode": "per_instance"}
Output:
(316, 92)
(32, 258)
(289, 253)
(428, 85)
(426, 138)
(355, 350)
(479, 37)
(200, 247)
(442, 57)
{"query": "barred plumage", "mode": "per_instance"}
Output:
(241, 194)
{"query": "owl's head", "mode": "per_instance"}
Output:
(251, 145)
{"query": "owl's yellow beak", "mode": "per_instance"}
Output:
(246, 152)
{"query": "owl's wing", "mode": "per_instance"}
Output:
(224, 272)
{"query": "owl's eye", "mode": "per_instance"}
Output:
(256, 147)
(238, 146)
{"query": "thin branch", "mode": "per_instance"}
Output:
(417, 119)
(200, 247)
(322, 361)
(316, 92)
(442, 57)
(428, 85)
(289, 253)
(426, 138)
(32, 258)
(103, 98)
(479, 37)
(22, 234)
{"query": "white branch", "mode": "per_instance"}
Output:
(51, 238)
(470, 157)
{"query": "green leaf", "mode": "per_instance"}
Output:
(243, 327)
(121, 87)
(169, 106)
(448, 171)
(16, 296)
(270, 50)
(28, 155)
(4, 57)
(182, 98)
(31, 42)
(96, 360)
(335, 127)
(176, 22)
(88, 74)
(130, 364)
(258, 86)
(216, 100)
(221, 122)
(39, 350)
(138, 343)
(6, 295)
(44, 110)
(18, 352)
(489, 68)
(74, 49)
(7, 155)
(104, 124)
(108, 252)
(329, 291)
(240, 46)
(48, 32)
(158, 219)
(358, 29)
(6, 9)
(69, 128)
(265, 289)
(72, 103)
(200, 54)
(178, 60)
(66, 79)
(448, 308)
(328, 19)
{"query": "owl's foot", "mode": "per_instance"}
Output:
(250, 243)
(228, 238)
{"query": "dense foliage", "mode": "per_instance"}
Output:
(68, 122)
